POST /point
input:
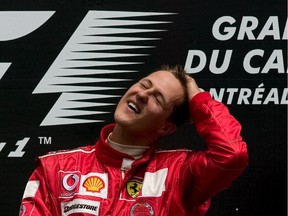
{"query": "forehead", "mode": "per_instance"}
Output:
(164, 78)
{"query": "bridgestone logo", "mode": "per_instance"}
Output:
(80, 206)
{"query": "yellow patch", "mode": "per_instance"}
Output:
(93, 184)
(134, 188)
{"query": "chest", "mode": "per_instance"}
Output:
(142, 191)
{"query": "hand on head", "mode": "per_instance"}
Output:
(192, 87)
(193, 90)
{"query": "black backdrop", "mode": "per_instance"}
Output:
(55, 94)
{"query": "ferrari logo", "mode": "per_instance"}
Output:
(134, 188)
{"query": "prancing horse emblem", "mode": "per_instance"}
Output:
(134, 188)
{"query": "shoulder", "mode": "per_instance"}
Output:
(65, 160)
(174, 155)
(61, 154)
(173, 151)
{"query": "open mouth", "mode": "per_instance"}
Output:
(133, 107)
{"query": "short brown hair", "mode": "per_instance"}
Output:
(180, 114)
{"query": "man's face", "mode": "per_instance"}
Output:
(147, 105)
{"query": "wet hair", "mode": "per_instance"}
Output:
(180, 113)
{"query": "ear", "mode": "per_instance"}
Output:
(167, 129)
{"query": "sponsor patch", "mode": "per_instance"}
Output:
(134, 188)
(94, 184)
(154, 183)
(31, 188)
(26, 208)
(69, 183)
(80, 206)
(142, 209)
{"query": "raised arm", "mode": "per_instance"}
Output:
(225, 158)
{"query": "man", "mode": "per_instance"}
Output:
(124, 174)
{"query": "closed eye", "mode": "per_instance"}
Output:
(144, 85)
(159, 100)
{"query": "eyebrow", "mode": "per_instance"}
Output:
(147, 80)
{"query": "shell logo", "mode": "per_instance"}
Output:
(94, 184)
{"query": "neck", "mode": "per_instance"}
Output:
(125, 137)
(135, 151)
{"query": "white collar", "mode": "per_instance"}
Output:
(133, 150)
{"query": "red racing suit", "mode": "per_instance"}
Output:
(98, 180)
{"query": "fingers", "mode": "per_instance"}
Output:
(192, 87)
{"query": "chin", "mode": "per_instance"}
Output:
(121, 119)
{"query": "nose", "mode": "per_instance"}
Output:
(143, 96)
